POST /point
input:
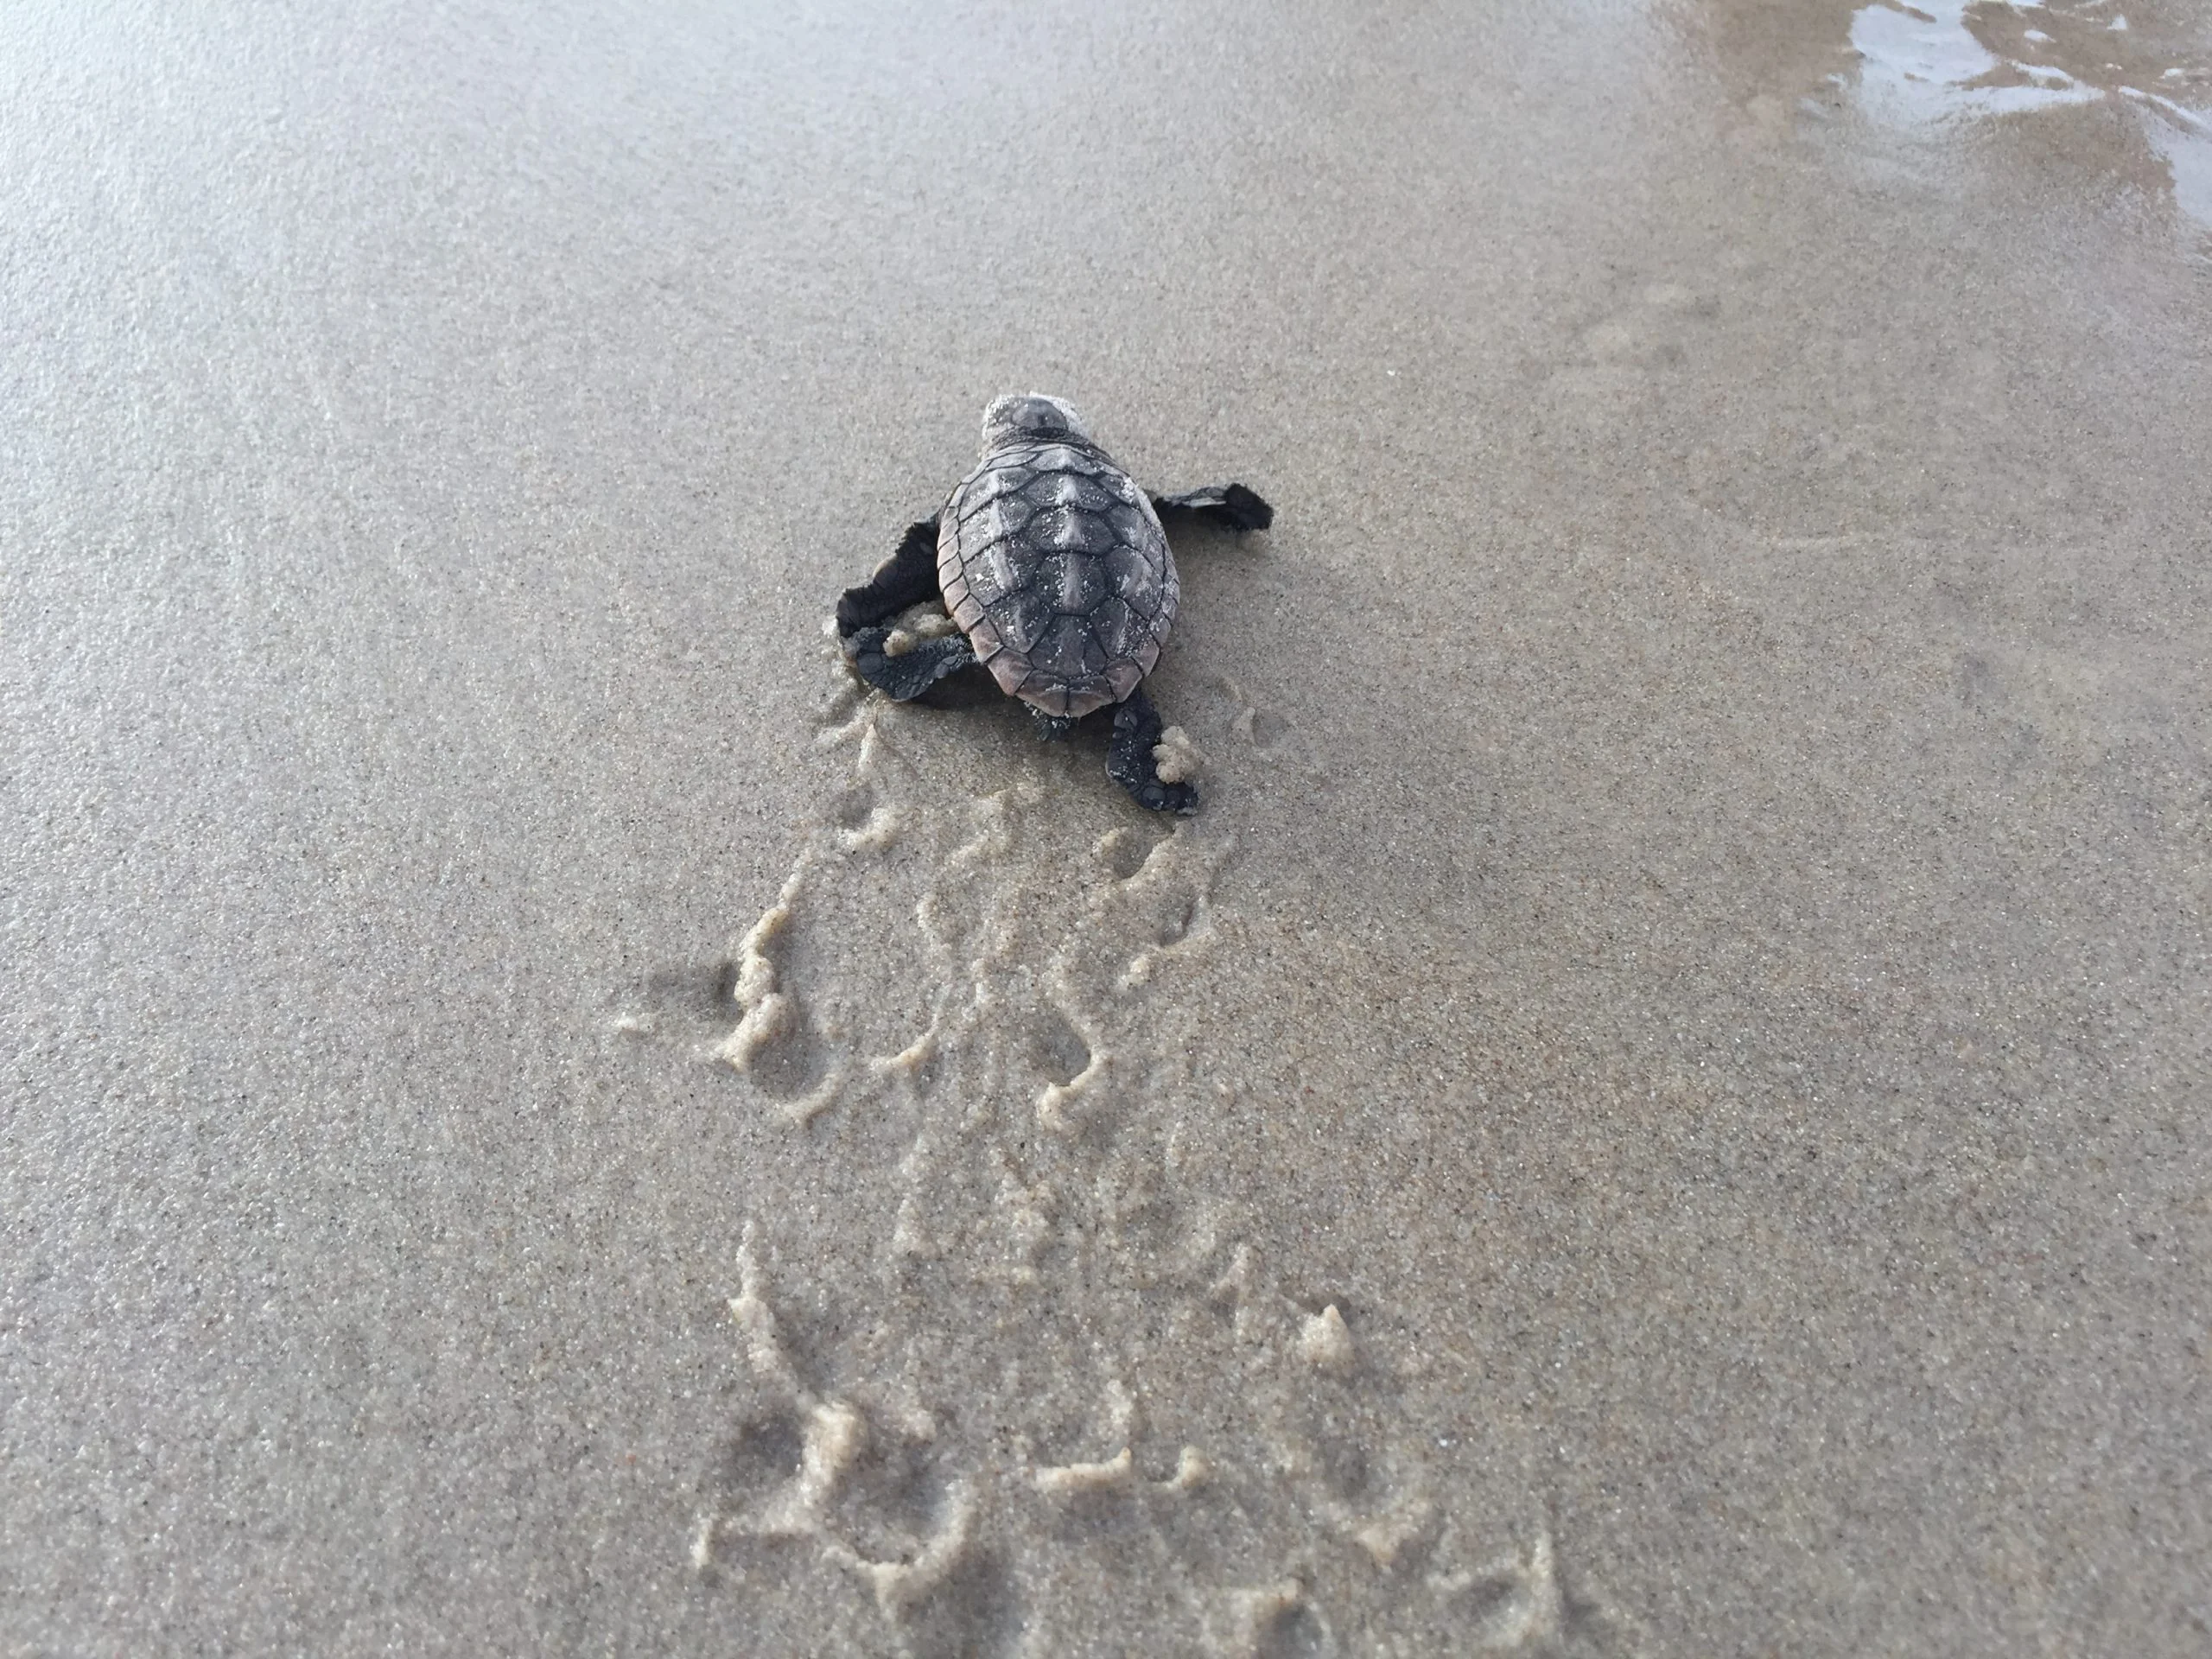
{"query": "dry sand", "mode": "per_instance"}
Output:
(1660, 1108)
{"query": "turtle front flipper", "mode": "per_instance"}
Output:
(1230, 506)
(907, 577)
(901, 667)
(1131, 764)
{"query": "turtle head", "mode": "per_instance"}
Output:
(1029, 415)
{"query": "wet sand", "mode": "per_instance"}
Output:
(1659, 1109)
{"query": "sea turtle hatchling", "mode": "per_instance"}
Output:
(1052, 563)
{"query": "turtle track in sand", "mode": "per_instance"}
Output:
(1017, 1406)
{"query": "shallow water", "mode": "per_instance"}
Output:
(538, 1119)
(1939, 66)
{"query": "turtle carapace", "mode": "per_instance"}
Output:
(1053, 564)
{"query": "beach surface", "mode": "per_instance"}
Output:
(1660, 1108)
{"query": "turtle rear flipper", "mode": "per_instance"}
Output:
(907, 577)
(904, 675)
(1230, 506)
(1131, 763)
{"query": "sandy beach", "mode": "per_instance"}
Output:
(1661, 1107)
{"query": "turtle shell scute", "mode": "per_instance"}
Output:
(1117, 627)
(1023, 616)
(1069, 652)
(1130, 577)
